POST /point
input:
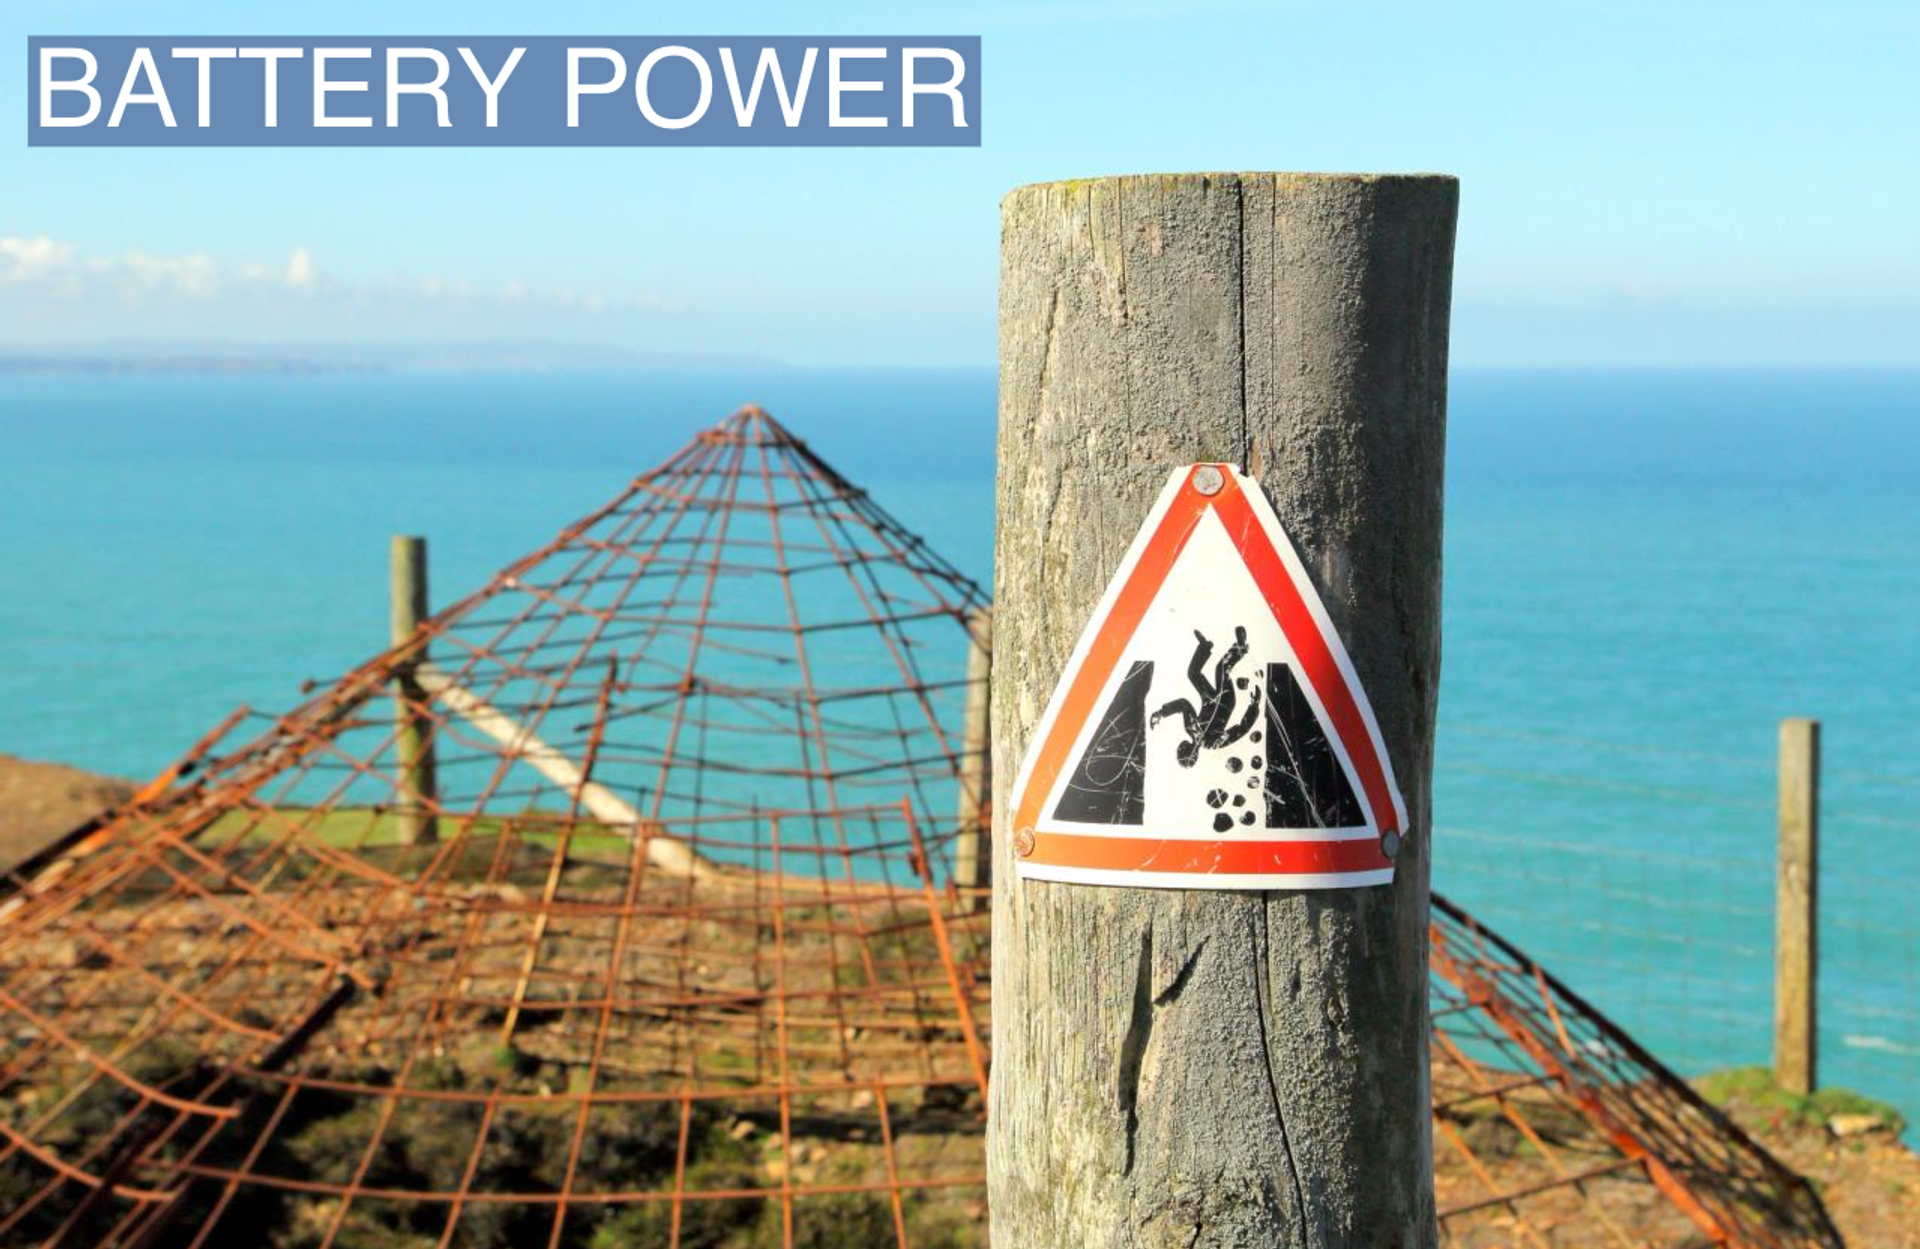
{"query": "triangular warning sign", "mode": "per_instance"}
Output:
(1209, 731)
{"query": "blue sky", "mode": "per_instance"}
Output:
(1654, 184)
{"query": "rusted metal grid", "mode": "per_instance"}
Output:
(1553, 1128)
(683, 961)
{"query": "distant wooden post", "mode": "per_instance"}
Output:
(1219, 1068)
(971, 860)
(1796, 963)
(413, 743)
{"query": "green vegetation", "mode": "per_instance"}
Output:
(431, 1147)
(93, 1108)
(1755, 1089)
(363, 828)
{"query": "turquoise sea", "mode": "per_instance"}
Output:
(1645, 572)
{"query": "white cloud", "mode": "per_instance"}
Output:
(194, 274)
(37, 268)
(42, 264)
(300, 270)
(32, 259)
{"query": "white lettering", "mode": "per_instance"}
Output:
(321, 85)
(142, 60)
(270, 59)
(646, 105)
(745, 109)
(835, 85)
(49, 84)
(206, 57)
(491, 88)
(950, 88)
(576, 88)
(396, 88)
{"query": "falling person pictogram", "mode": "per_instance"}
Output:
(1210, 725)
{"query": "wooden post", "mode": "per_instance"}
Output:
(1796, 959)
(1219, 1068)
(971, 860)
(413, 742)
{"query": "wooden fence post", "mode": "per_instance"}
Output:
(1219, 1068)
(413, 742)
(971, 860)
(1796, 956)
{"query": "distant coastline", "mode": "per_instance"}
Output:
(112, 359)
(112, 366)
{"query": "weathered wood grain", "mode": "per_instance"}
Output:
(1796, 961)
(1180, 1068)
(971, 863)
(416, 785)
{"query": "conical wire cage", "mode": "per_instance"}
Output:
(636, 899)
(616, 902)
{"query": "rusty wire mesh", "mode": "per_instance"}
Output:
(662, 945)
(619, 906)
(1553, 1128)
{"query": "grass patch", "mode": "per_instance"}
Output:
(368, 828)
(1754, 1088)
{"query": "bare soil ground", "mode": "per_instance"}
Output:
(39, 801)
(1869, 1180)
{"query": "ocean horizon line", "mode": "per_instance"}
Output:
(321, 359)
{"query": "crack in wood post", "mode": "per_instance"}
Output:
(1142, 325)
(1133, 1045)
(1263, 978)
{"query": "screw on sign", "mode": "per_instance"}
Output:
(1209, 731)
